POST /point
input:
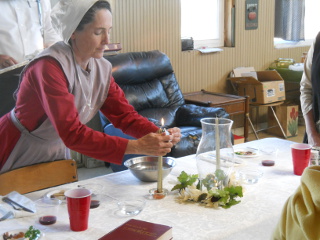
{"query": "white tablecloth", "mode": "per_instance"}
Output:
(254, 218)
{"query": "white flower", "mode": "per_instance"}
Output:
(191, 193)
(194, 193)
(183, 196)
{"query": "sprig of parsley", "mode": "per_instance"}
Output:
(228, 195)
(32, 233)
(185, 180)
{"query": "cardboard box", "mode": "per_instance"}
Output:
(262, 87)
(288, 118)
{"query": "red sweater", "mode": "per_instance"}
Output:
(44, 94)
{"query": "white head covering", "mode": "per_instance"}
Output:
(67, 14)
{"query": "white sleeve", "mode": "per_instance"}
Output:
(50, 35)
(306, 84)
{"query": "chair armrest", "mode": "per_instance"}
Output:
(104, 120)
(190, 114)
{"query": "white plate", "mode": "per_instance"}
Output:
(51, 194)
(246, 153)
(16, 231)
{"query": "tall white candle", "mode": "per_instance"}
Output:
(159, 185)
(160, 163)
(217, 144)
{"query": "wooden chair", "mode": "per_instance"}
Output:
(39, 176)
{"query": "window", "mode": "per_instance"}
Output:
(312, 19)
(311, 26)
(203, 20)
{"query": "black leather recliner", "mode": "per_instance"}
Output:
(150, 85)
(9, 81)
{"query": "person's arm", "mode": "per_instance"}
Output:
(306, 100)
(123, 116)
(305, 84)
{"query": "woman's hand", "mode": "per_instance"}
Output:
(6, 61)
(176, 133)
(154, 144)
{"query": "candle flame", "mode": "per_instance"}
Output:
(162, 122)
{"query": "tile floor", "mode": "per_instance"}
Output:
(85, 173)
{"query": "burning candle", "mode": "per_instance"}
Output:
(160, 163)
(217, 145)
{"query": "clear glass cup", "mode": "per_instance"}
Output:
(269, 153)
(48, 210)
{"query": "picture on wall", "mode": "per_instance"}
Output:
(251, 14)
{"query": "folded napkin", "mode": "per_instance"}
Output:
(301, 214)
(21, 200)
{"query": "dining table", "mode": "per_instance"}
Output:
(255, 217)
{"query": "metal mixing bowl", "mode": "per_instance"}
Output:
(146, 168)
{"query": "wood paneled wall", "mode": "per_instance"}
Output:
(142, 25)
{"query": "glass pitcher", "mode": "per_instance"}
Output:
(215, 155)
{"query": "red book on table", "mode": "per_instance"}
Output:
(139, 230)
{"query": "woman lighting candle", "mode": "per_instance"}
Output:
(64, 87)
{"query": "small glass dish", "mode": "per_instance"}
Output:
(250, 176)
(131, 207)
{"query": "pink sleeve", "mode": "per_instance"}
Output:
(52, 90)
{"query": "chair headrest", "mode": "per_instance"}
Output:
(138, 67)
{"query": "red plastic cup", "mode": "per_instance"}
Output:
(301, 153)
(78, 201)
